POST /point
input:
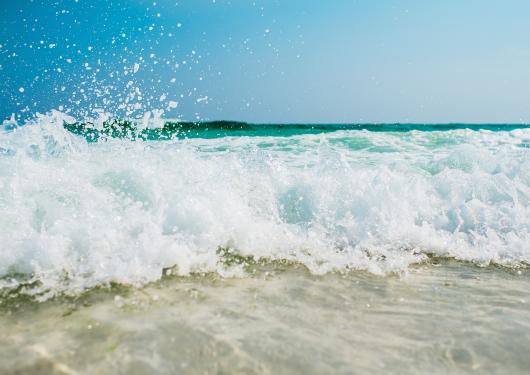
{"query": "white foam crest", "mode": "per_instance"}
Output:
(75, 215)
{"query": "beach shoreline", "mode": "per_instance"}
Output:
(442, 316)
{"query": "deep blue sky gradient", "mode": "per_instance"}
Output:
(269, 60)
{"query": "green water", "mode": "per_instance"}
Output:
(217, 129)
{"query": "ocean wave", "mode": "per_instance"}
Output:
(76, 214)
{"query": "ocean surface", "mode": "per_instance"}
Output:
(313, 223)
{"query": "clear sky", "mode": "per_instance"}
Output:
(269, 60)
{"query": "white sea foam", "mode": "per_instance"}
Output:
(74, 215)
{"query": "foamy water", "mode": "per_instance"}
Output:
(77, 214)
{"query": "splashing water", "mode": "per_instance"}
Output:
(76, 214)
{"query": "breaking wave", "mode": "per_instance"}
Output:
(76, 214)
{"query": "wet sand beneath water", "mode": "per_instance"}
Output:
(443, 317)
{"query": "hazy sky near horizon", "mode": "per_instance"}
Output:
(269, 60)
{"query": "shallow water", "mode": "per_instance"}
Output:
(442, 317)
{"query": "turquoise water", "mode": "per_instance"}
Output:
(178, 129)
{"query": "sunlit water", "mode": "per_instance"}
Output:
(441, 318)
(284, 249)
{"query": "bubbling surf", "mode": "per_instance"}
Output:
(77, 214)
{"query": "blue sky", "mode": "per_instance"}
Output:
(269, 60)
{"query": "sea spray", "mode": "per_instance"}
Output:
(76, 214)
